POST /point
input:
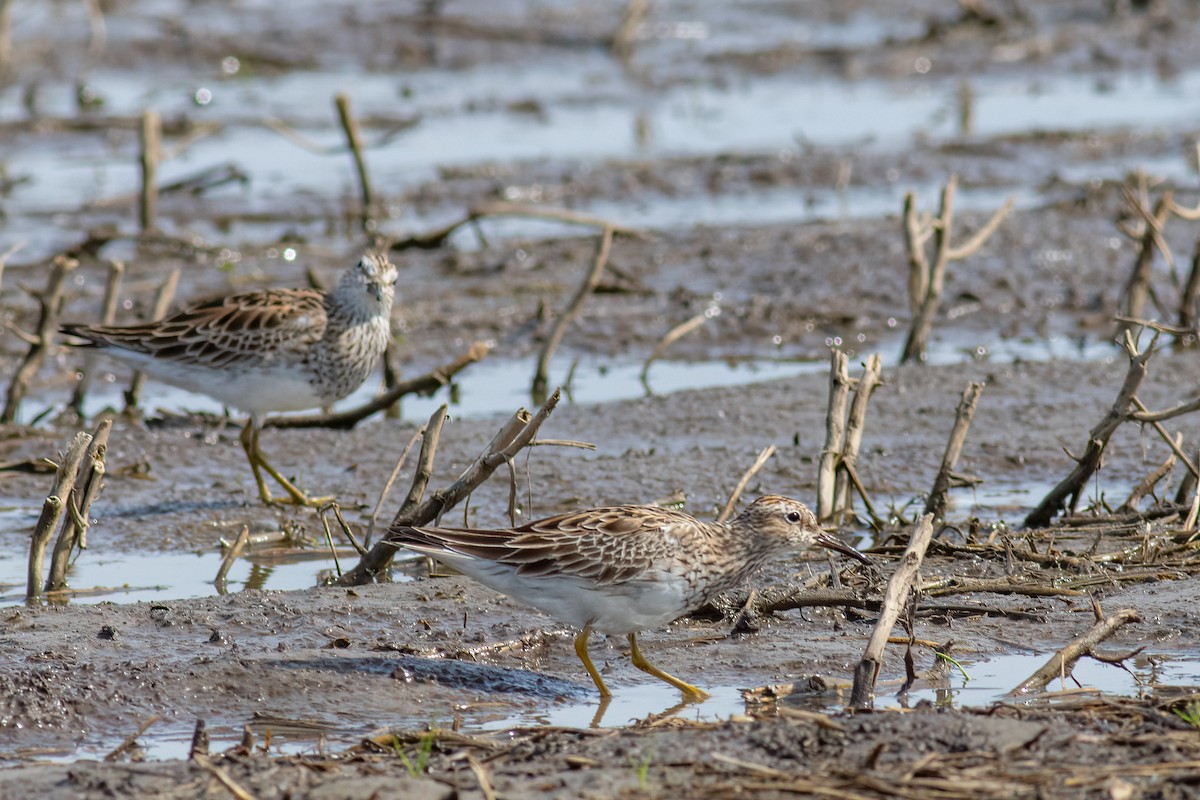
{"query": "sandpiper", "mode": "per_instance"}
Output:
(623, 569)
(269, 350)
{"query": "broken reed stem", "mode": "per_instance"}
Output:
(936, 504)
(16, 247)
(926, 279)
(231, 555)
(895, 599)
(131, 740)
(1137, 287)
(222, 777)
(51, 302)
(835, 421)
(52, 511)
(514, 435)
(199, 741)
(852, 439)
(108, 315)
(1172, 442)
(1147, 484)
(74, 529)
(1063, 662)
(387, 487)
(1070, 488)
(759, 462)
(424, 470)
(590, 281)
(673, 335)
(162, 302)
(354, 141)
(151, 144)
(1187, 302)
(626, 36)
(436, 238)
(391, 378)
(425, 384)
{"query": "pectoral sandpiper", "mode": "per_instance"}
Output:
(624, 569)
(264, 351)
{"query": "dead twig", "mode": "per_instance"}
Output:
(1147, 484)
(540, 375)
(1187, 303)
(354, 142)
(131, 740)
(162, 303)
(673, 335)
(926, 278)
(1066, 494)
(424, 470)
(898, 595)
(759, 462)
(51, 303)
(52, 511)
(108, 315)
(1063, 662)
(835, 427)
(79, 505)
(151, 153)
(387, 486)
(425, 384)
(231, 786)
(231, 555)
(856, 422)
(16, 247)
(512, 437)
(936, 504)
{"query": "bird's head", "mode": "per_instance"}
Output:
(790, 525)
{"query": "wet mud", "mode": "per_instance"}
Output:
(762, 151)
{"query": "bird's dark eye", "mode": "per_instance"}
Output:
(793, 516)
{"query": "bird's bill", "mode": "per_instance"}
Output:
(825, 539)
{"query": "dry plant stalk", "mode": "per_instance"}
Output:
(51, 302)
(763, 457)
(855, 425)
(130, 741)
(623, 41)
(162, 303)
(15, 248)
(926, 279)
(108, 316)
(151, 144)
(231, 555)
(75, 526)
(835, 429)
(354, 142)
(673, 335)
(1147, 484)
(424, 471)
(1187, 303)
(936, 504)
(1063, 662)
(570, 313)
(500, 208)
(425, 384)
(395, 473)
(52, 511)
(897, 597)
(1066, 494)
(512, 437)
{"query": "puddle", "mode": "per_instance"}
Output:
(497, 386)
(588, 110)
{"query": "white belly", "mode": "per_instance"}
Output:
(255, 390)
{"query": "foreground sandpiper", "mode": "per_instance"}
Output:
(624, 569)
(264, 351)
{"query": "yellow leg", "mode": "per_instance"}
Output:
(639, 661)
(581, 650)
(259, 464)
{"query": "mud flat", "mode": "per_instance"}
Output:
(755, 157)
